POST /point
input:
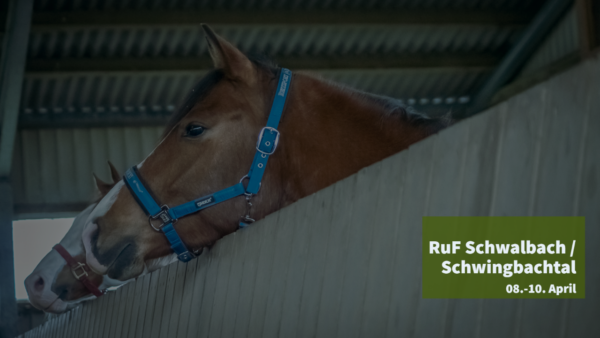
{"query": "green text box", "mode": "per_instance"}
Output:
(545, 231)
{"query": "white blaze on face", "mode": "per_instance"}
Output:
(90, 226)
(39, 283)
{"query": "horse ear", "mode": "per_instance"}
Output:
(225, 56)
(103, 187)
(116, 177)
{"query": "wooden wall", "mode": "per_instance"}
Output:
(346, 261)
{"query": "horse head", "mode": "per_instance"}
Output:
(52, 286)
(327, 133)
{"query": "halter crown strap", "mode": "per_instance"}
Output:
(79, 270)
(163, 218)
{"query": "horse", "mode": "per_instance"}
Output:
(53, 286)
(328, 132)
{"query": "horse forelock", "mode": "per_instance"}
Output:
(202, 89)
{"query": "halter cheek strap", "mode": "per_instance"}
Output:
(80, 271)
(163, 218)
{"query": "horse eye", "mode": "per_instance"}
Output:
(193, 130)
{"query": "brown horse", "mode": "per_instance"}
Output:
(328, 132)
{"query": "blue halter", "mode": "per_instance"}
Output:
(265, 146)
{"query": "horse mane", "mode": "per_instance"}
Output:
(393, 108)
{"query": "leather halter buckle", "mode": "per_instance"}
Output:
(275, 142)
(83, 271)
(163, 216)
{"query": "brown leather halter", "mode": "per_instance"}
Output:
(80, 271)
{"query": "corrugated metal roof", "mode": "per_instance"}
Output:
(49, 98)
(185, 41)
(49, 5)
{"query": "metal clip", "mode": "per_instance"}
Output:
(83, 271)
(260, 137)
(163, 216)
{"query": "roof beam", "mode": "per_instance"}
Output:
(295, 62)
(514, 60)
(12, 66)
(283, 17)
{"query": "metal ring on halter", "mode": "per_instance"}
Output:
(248, 194)
(162, 216)
(260, 136)
(83, 271)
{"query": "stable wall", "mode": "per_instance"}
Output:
(346, 261)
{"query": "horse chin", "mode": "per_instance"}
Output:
(58, 306)
(123, 271)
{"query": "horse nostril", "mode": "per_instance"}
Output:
(39, 284)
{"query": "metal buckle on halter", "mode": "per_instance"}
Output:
(83, 272)
(162, 216)
(275, 142)
(186, 256)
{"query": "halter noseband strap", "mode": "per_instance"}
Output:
(163, 218)
(80, 271)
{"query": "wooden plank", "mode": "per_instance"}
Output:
(150, 306)
(169, 299)
(62, 325)
(31, 166)
(186, 303)
(318, 226)
(233, 286)
(284, 230)
(179, 295)
(263, 274)
(67, 325)
(296, 270)
(137, 286)
(83, 165)
(107, 314)
(84, 320)
(17, 172)
(435, 316)
(100, 304)
(356, 260)
(198, 281)
(49, 183)
(117, 303)
(116, 151)
(92, 318)
(556, 184)
(65, 156)
(133, 146)
(385, 224)
(406, 292)
(224, 262)
(148, 140)
(159, 305)
(329, 307)
(124, 312)
(517, 161)
(254, 236)
(584, 313)
(74, 333)
(201, 325)
(99, 152)
(51, 328)
(141, 306)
